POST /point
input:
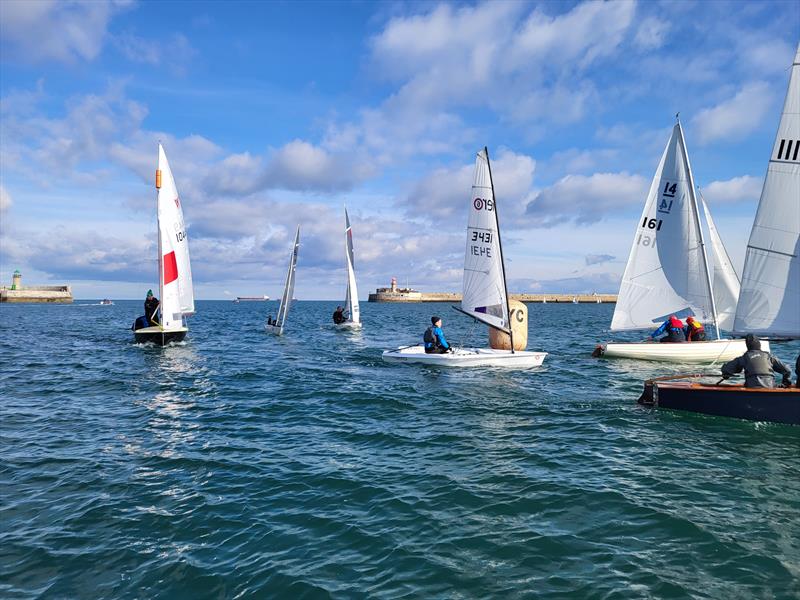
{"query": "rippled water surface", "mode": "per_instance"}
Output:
(243, 465)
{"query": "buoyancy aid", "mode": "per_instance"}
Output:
(675, 323)
(696, 326)
(430, 338)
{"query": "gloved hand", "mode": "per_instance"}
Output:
(787, 381)
(726, 376)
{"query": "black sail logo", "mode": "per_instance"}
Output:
(788, 150)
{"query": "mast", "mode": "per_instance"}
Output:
(696, 212)
(500, 244)
(160, 251)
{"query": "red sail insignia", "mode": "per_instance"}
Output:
(170, 268)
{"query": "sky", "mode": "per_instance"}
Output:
(275, 114)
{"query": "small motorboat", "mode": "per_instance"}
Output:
(687, 392)
(466, 357)
(688, 352)
(106, 302)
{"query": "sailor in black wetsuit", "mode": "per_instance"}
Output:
(150, 308)
(758, 366)
(338, 316)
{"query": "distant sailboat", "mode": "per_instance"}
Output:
(769, 302)
(667, 271)
(351, 308)
(276, 326)
(174, 269)
(484, 294)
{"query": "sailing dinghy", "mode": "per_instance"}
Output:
(351, 308)
(769, 300)
(276, 326)
(484, 294)
(667, 271)
(174, 269)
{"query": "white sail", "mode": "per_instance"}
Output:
(666, 271)
(769, 302)
(725, 281)
(351, 299)
(484, 289)
(288, 288)
(175, 273)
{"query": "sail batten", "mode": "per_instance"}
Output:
(666, 271)
(769, 300)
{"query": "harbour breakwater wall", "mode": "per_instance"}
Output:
(415, 296)
(40, 293)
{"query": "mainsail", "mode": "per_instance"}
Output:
(175, 273)
(351, 299)
(485, 297)
(666, 271)
(725, 281)
(288, 288)
(769, 302)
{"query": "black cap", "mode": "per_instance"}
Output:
(752, 341)
(434, 319)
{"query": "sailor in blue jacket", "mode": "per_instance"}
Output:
(674, 329)
(435, 343)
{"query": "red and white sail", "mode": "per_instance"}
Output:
(175, 273)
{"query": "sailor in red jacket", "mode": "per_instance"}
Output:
(695, 332)
(673, 328)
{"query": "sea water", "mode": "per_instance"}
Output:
(244, 465)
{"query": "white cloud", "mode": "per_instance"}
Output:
(444, 192)
(736, 117)
(63, 31)
(737, 189)
(174, 51)
(651, 32)
(585, 200)
(598, 259)
(5, 199)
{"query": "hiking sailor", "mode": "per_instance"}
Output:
(673, 328)
(338, 316)
(694, 331)
(435, 343)
(758, 366)
(150, 308)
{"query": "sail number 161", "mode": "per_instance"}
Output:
(652, 223)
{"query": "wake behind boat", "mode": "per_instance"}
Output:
(484, 295)
(667, 273)
(167, 324)
(275, 326)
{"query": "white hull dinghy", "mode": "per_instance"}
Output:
(174, 268)
(276, 327)
(484, 292)
(466, 357)
(351, 307)
(712, 351)
(668, 272)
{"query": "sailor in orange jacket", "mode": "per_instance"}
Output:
(695, 332)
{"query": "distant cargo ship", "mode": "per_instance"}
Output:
(238, 299)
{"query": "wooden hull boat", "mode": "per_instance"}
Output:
(466, 357)
(776, 405)
(160, 337)
(688, 352)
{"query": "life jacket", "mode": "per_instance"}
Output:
(430, 338)
(675, 323)
(696, 326)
